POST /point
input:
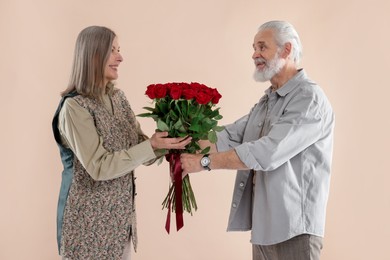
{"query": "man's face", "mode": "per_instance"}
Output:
(266, 56)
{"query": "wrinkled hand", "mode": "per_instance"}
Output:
(191, 163)
(159, 140)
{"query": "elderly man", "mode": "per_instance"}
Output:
(282, 150)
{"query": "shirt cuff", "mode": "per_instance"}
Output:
(142, 152)
(221, 145)
(246, 156)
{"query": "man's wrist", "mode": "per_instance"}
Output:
(205, 162)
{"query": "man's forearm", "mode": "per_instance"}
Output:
(226, 160)
(206, 143)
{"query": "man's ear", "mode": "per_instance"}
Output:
(286, 50)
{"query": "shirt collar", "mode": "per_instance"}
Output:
(290, 84)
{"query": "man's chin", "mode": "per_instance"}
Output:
(259, 77)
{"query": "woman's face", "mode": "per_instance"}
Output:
(115, 58)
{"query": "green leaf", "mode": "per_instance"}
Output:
(218, 128)
(195, 127)
(181, 108)
(149, 109)
(203, 136)
(173, 115)
(213, 113)
(179, 126)
(197, 136)
(192, 111)
(145, 115)
(162, 107)
(218, 117)
(162, 126)
(208, 124)
(205, 150)
(212, 136)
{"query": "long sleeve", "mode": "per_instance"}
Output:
(79, 133)
(232, 135)
(301, 125)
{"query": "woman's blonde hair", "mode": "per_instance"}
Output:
(93, 47)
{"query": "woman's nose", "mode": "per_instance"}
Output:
(120, 58)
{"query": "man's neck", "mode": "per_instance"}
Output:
(287, 72)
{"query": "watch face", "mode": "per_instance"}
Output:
(205, 161)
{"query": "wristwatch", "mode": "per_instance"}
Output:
(205, 162)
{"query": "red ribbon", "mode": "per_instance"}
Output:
(176, 175)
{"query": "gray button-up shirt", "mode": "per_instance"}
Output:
(291, 161)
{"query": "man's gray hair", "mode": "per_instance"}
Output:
(285, 32)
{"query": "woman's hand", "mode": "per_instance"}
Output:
(159, 140)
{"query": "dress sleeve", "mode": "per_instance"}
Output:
(79, 133)
(142, 137)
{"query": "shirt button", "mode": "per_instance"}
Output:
(241, 184)
(234, 205)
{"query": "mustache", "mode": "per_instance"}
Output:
(258, 61)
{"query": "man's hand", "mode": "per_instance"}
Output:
(190, 163)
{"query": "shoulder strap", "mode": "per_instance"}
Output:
(56, 132)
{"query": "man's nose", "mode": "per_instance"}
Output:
(256, 54)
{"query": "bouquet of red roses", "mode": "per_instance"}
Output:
(183, 109)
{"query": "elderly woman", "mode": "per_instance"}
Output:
(101, 143)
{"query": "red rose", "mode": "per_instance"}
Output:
(189, 92)
(150, 91)
(196, 86)
(208, 91)
(216, 96)
(203, 98)
(175, 91)
(160, 90)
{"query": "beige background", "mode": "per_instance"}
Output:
(345, 50)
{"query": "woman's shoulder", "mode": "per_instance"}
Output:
(73, 104)
(118, 94)
(83, 102)
(117, 91)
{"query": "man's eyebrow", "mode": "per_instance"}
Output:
(258, 43)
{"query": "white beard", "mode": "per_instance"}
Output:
(272, 68)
